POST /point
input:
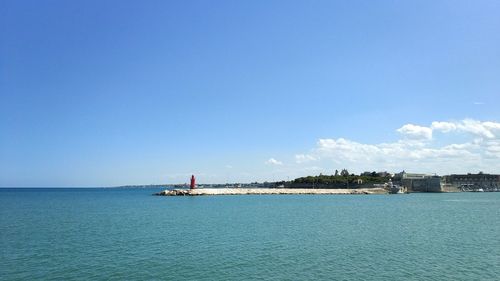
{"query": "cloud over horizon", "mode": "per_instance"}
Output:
(442, 147)
(416, 132)
(273, 161)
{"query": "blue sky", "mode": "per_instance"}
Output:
(103, 93)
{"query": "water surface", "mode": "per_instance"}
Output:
(117, 234)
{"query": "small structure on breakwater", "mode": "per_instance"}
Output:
(193, 182)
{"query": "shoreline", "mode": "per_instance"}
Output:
(268, 191)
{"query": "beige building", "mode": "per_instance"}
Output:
(419, 182)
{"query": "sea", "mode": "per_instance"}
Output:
(128, 234)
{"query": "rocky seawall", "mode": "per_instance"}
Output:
(267, 191)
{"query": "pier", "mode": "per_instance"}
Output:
(268, 191)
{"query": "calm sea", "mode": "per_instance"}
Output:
(127, 234)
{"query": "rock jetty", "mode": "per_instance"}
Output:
(266, 191)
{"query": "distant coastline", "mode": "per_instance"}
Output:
(406, 182)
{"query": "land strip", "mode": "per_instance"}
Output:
(267, 191)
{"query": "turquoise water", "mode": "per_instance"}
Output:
(111, 234)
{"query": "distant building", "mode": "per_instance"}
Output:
(474, 182)
(418, 182)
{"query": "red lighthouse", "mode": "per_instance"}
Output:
(193, 182)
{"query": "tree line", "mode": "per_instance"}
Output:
(344, 177)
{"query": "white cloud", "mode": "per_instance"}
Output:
(476, 128)
(416, 132)
(493, 127)
(273, 161)
(486, 129)
(346, 150)
(476, 148)
(493, 149)
(304, 158)
(444, 127)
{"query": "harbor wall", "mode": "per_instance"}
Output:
(268, 191)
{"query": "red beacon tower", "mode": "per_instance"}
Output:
(193, 182)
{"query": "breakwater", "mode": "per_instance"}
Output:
(267, 191)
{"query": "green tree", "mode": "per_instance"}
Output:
(344, 173)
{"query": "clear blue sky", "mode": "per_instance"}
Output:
(100, 93)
